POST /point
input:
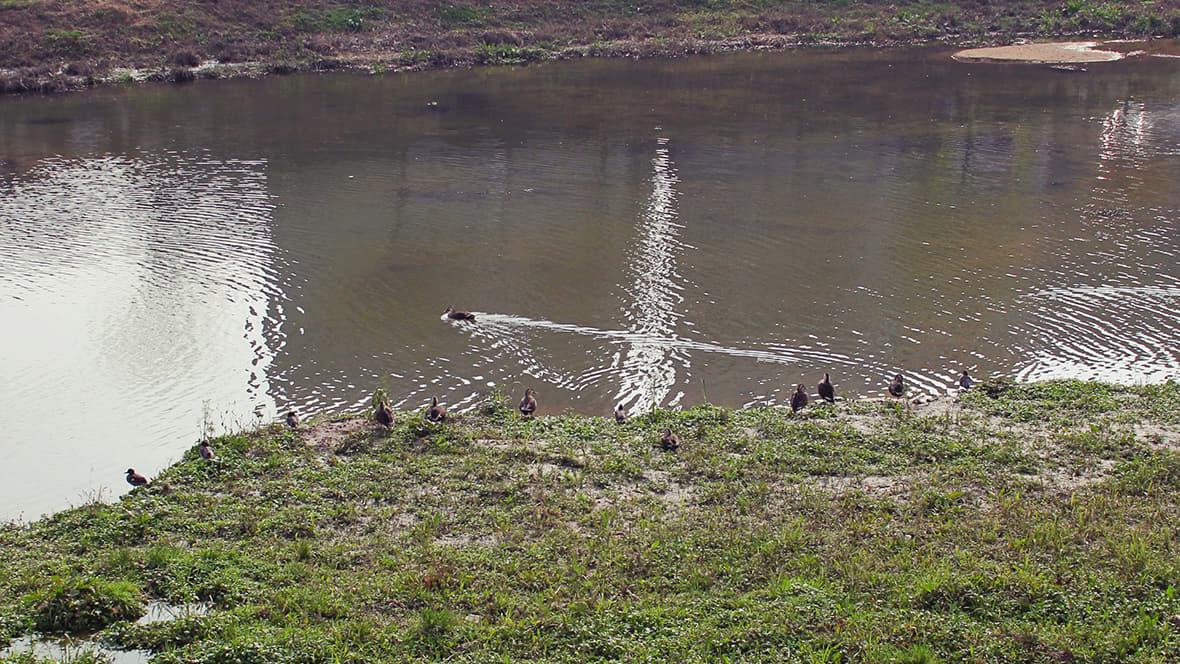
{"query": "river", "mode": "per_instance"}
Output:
(180, 261)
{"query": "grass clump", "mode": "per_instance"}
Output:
(82, 604)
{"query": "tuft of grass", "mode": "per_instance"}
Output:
(82, 604)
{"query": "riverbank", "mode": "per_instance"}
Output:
(51, 46)
(1020, 523)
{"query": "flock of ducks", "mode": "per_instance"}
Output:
(669, 441)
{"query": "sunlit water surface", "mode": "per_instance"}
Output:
(180, 261)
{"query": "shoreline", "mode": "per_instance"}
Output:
(50, 47)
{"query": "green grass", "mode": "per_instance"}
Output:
(1032, 523)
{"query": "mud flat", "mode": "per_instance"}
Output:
(1043, 53)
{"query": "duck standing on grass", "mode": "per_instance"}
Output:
(206, 452)
(965, 381)
(292, 419)
(436, 413)
(620, 414)
(528, 405)
(134, 478)
(799, 399)
(383, 415)
(669, 441)
(826, 391)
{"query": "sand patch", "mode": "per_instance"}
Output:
(1044, 53)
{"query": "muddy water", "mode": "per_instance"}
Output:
(183, 260)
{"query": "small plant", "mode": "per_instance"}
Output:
(77, 605)
(379, 397)
(303, 550)
(434, 626)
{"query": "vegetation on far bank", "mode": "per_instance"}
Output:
(54, 44)
(1022, 523)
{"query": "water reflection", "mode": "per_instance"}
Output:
(647, 372)
(136, 302)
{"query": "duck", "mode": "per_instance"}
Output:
(134, 478)
(528, 405)
(965, 381)
(292, 419)
(436, 413)
(383, 415)
(669, 441)
(620, 414)
(897, 386)
(826, 391)
(455, 314)
(205, 451)
(799, 399)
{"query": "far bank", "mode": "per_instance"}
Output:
(48, 46)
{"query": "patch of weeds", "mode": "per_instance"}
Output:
(417, 57)
(432, 628)
(1060, 401)
(496, 406)
(452, 16)
(335, 19)
(1155, 474)
(165, 634)
(505, 54)
(83, 604)
(66, 42)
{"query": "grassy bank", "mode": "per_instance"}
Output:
(1032, 523)
(51, 45)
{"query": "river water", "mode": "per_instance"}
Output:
(176, 261)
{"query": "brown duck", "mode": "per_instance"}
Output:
(620, 414)
(455, 314)
(292, 419)
(669, 441)
(528, 405)
(826, 391)
(897, 386)
(436, 413)
(965, 381)
(799, 399)
(134, 478)
(205, 451)
(383, 415)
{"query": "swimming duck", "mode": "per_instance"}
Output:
(528, 405)
(965, 381)
(436, 413)
(669, 441)
(205, 451)
(455, 314)
(799, 399)
(383, 415)
(826, 391)
(292, 419)
(620, 414)
(897, 386)
(134, 478)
